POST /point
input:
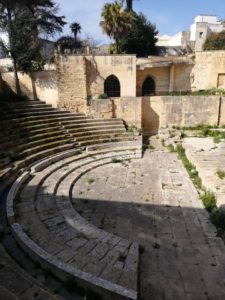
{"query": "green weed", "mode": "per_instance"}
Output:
(220, 174)
(209, 200)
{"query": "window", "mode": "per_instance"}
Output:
(200, 34)
(148, 87)
(112, 86)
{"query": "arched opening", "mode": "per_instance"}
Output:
(112, 86)
(148, 87)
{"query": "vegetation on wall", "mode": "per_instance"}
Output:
(216, 41)
(210, 92)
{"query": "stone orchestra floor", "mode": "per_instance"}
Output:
(152, 201)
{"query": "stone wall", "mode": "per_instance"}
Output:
(182, 77)
(209, 70)
(222, 112)
(100, 67)
(151, 113)
(161, 77)
(180, 111)
(43, 84)
(72, 89)
(127, 108)
(81, 78)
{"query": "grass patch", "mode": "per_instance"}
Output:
(91, 180)
(209, 200)
(216, 139)
(208, 92)
(200, 127)
(220, 174)
(170, 148)
(218, 219)
(132, 128)
(146, 147)
(103, 96)
(191, 169)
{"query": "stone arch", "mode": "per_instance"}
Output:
(112, 86)
(148, 87)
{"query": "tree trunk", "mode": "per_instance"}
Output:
(33, 86)
(117, 46)
(10, 32)
(129, 5)
(17, 83)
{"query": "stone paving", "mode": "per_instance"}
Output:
(153, 202)
(209, 158)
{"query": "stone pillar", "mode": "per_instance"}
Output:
(171, 82)
(72, 83)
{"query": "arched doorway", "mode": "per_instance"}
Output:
(148, 87)
(112, 86)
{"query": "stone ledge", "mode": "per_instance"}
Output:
(65, 272)
(47, 162)
(62, 270)
(12, 194)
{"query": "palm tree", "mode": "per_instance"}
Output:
(75, 28)
(116, 22)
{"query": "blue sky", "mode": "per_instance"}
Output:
(170, 16)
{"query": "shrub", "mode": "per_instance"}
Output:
(218, 218)
(209, 200)
(132, 128)
(216, 41)
(146, 146)
(103, 96)
(221, 174)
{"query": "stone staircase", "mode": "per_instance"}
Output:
(32, 130)
(43, 150)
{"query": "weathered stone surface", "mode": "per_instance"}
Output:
(153, 202)
(209, 158)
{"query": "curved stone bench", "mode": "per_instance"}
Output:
(9, 174)
(112, 261)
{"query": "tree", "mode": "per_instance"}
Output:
(116, 23)
(141, 40)
(216, 41)
(75, 28)
(7, 15)
(68, 43)
(43, 18)
(24, 21)
(129, 5)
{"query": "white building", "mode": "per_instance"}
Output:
(194, 39)
(203, 26)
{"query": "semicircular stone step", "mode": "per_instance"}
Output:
(47, 216)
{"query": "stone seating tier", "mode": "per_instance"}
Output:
(38, 138)
(34, 128)
(48, 228)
